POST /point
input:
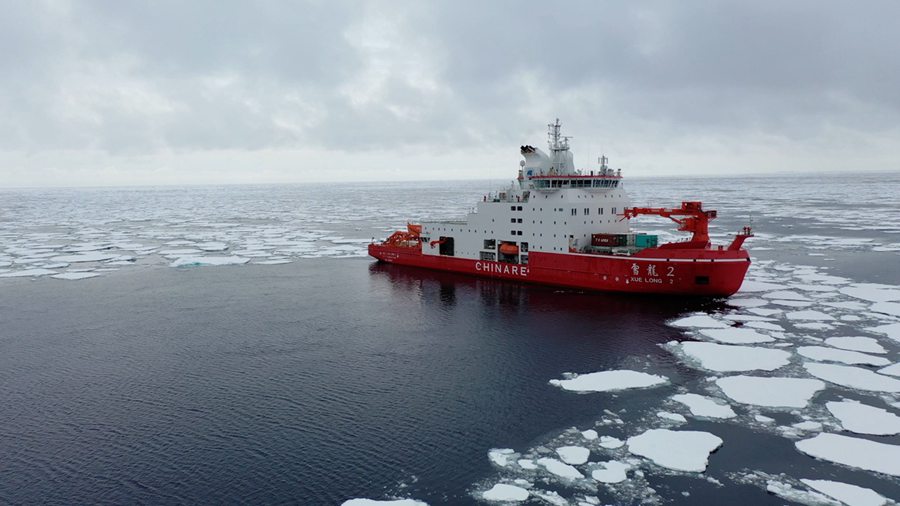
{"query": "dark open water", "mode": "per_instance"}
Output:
(326, 379)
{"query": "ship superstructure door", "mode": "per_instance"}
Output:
(446, 244)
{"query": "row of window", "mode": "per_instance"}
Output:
(576, 183)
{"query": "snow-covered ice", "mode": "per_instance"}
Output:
(864, 419)
(853, 452)
(589, 434)
(891, 330)
(770, 391)
(388, 502)
(674, 417)
(700, 321)
(527, 464)
(610, 442)
(796, 495)
(872, 292)
(575, 455)
(211, 260)
(891, 308)
(606, 381)
(856, 343)
(853, 377)
(758, 286)
(809, 315)
(851, 495)
(560, 469)
(612, 471)
(728, 358)
(680, 450)
(786, 294)
(736, 335)
(75, 275)
(500, 456)
(27, 273)
(822, 353)
(704, 406)
(893, 370)
(505, 493)
(85, 257)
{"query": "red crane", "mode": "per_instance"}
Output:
(690, 218)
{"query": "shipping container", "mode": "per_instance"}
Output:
(646, 241)
(608, 240)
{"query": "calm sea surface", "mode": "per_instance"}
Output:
(308, 374)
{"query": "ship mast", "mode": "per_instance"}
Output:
(558, 144)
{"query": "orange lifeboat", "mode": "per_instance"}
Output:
(508, 248)
(414, 228)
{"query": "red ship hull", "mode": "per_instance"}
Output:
(697, 272)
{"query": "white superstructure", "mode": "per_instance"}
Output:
(551, 207)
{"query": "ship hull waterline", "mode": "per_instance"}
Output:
(706, 273)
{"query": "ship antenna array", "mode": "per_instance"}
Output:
(557, 142)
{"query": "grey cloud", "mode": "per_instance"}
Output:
(145, 77)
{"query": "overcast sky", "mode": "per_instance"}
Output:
(173, 92)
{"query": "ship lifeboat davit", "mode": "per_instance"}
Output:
(508, 248)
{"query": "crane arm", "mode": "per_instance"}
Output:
(690, 217)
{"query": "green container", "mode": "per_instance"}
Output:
(646, 241)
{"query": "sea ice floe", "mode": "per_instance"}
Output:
(765, 311)
(575, 455)
(853, 452)
(770, 391)
(674, 417)
(872, 292)
(589, 434)
(501, 456)
(822, 353)
(758, 286)
(764, 326)
(736, 335)
(890, 308)
(75, 275)
(808, 425)
(704, 406)
(610, 442)
(864, 419)
(851, 495)
(893, 370)
(853, 377)
(606, 381)
(560, 469)
(174, 253)
(792, 303)
(856, 343)
(748, 302)
(809, 315)
(388, 502)
(700, 321)
(527, 464)
(27, 273)
(796, 495)
(85, 257)
(678, 450)
(729, 358)
(505, 493)
(763, 419)
(612, 471)
(891, 330)
(786, 294)
(212, 246)
(211, 260)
